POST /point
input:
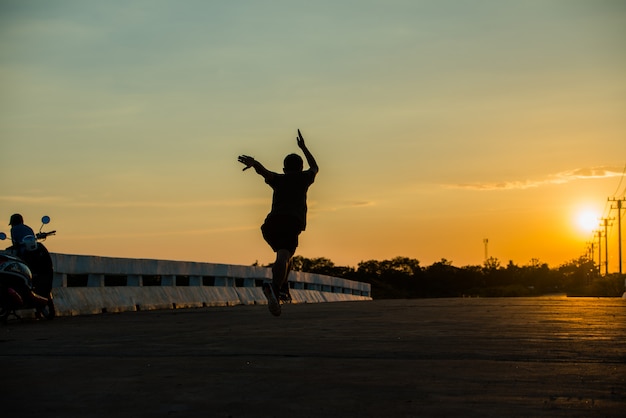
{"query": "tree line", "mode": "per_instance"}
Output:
(403, 277)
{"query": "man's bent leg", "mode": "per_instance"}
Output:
(283, 293)
(280, 270)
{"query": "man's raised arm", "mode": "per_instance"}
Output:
(258, 167)
(309, 157)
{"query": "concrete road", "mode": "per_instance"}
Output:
(517, 357)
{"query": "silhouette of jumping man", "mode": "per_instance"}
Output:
(287, 218)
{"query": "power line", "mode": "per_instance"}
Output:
(620, 183)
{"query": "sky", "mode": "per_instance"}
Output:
(436, 125)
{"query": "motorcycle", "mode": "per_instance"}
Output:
(26, 274)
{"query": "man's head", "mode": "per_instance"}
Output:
(293, 163)
(16, 219)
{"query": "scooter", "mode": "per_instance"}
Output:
(26, 280)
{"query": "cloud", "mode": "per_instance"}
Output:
(30, 199)
(558, 178)
(71, 203)
(342, 206)
(158, 234)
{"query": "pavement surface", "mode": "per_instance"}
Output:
(513, 357)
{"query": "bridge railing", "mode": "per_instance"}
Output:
(92, 284)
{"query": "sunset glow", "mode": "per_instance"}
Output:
(435, 125)
(588, 220)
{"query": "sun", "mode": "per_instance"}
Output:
(587, 220)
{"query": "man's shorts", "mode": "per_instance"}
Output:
(281, 232)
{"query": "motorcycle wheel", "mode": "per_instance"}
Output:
(5, 311)
(48, 311)
(4, 315)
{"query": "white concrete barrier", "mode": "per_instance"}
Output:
(91, 285)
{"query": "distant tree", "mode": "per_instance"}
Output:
(472, 279)
(399, 266)
(443, 280)
(404, 277)
(321, 265)
(492, 263)
(577, 273)
(395, 278)
(492, 274)
(513, 274)
(538, 277)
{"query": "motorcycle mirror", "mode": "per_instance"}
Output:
(3, 236)
(45, 220)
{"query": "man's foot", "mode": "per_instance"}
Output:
(272, 300)
(284, 295)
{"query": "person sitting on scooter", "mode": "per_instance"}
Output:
(19, 231)
(27, 248)
(25, 243)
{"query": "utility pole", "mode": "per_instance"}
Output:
(590, 248)
(606, 225)
(591, 256)
(599, 234)
(619, 227)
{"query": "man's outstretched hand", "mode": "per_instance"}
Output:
(246, 160)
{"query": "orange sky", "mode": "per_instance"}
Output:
(435, 125)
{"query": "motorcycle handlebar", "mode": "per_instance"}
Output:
(44, 235)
